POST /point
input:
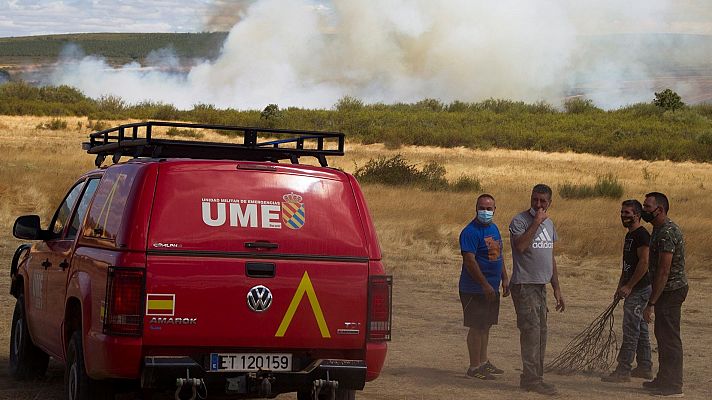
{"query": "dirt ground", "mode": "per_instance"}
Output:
(427, 357)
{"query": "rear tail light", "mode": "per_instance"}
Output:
(123, 313)
(380, 288)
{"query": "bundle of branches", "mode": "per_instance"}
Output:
(593, 350)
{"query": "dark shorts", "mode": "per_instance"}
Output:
(478, 312)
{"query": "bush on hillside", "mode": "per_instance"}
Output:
(606, 186)
(397, 171)
(55, 124)
(579, 105)
(189, 133)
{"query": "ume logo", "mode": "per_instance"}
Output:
(242, 215)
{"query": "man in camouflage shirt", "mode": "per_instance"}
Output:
(667, 271)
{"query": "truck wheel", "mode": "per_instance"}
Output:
(340, 395)
(26, 359)
(78, 385)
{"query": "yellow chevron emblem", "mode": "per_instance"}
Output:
(305, 287)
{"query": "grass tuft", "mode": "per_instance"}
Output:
(606, 186)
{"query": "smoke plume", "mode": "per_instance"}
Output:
(306, 54)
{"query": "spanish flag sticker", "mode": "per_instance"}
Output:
(160, 304)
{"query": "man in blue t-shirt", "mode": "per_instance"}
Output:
(482, 272)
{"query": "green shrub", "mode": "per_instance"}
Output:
(184, 133)
(97, 125)
(579, 105)
(397, 171)
(112, 105)
(392, 171)
(272, 115)
(54, 124)
(606, 186)
(466, 184)
(348, 103)
(430, 105)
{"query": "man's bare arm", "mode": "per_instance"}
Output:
(560, 304)
(640, 270)
(474, 270)
(523, 241)
(661, 276)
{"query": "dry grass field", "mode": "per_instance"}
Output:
(418, 233)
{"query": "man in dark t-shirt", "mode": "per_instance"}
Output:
(633, 286)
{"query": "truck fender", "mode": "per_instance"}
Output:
(78, 291)
(18, 275)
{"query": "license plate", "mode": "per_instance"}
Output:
(231, 362)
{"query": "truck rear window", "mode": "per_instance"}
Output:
(220, 208)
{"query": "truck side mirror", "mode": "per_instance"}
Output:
(28, 227)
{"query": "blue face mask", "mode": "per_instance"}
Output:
(485, 216)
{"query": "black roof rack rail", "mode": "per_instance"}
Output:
(135, 140)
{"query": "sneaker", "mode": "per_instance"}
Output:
(667, 393)
(542, 388)
(492, 369)
(651, 385)
(480, 373)
(616, 377)
(638, 372)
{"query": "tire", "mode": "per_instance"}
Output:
(78, 385)
(340, 395)
(26, 360)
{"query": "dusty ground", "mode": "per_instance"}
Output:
(418, 232)
(427, 356)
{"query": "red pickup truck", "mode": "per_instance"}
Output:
(204, 269)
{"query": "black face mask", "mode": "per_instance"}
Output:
(647, 216)
(628, 221)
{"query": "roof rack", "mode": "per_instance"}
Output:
(258, 144)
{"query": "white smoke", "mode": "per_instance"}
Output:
(296, 54)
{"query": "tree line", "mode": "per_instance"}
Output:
(664, 128)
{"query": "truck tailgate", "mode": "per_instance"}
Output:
(203, 301)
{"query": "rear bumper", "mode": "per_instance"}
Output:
(161, 373)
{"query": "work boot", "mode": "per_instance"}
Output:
(667, 393)
(651, 385)
(542, 388)
(616, 377)
(644, 373)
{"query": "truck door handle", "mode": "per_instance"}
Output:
(46, 264)
(260, 270)
(64, 264)
(261, 245)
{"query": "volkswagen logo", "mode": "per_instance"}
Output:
(259, 298)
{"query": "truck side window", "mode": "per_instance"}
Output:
(61, 216)
(107, 210)
(82, 208)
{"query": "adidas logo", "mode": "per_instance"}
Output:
(543, 241)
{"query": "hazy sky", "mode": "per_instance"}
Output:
(34, 17)
(40, 17)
